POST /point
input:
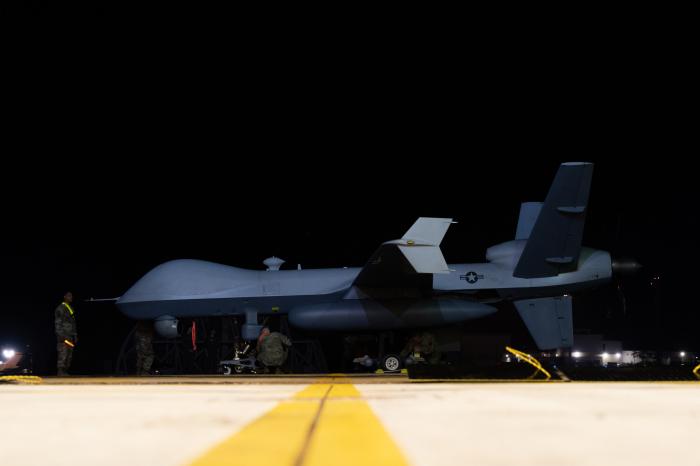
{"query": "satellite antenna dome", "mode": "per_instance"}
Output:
(273, 263)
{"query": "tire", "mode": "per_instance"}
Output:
(227, 370)
(391, 363)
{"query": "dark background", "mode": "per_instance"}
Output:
(233, 148)
(337, 216)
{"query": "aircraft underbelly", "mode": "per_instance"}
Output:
(359, 314)
(218, 307)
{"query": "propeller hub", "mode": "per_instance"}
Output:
(625, 266)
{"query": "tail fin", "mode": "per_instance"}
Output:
(549, 321)
(554, 244)
(529, 211)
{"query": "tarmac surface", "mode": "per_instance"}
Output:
(337, 420)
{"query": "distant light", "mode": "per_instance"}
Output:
(577, 354)
(682, 354)
(8, 353)
(618, 355)
(605, 355)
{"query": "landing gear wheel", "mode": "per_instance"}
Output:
(227, 370)
(391, 363)
(238, 369)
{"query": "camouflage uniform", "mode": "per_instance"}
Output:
(143, 337)
(66, 329)
(273, 349)
(424, 344)
(429, 346)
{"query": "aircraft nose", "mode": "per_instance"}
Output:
(625, 266)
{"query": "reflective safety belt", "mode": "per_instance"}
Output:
(194, 336)
(69, 309)
(69, 343)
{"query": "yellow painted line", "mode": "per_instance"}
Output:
(348, 433)
(22, 379)
(344, 391)
(313, 392)
(273, 439)
(319, 391)
(323, 424)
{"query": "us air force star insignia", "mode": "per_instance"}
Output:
(471, 277)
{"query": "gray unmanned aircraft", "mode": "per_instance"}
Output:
(407, 282)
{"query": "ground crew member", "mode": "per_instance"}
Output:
(272, 349)
(143, 338)
(66, 334)
(421, 348)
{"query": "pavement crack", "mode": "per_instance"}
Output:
(312, 428)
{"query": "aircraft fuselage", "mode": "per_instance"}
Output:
(326, 298)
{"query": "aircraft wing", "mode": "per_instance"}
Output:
(408, 262)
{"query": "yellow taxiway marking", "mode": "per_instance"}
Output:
(22, 379)
(323, 424)
(327, 390)
(348, 433)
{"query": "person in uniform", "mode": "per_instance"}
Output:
(143, 337)
(421, 348)
(272, 349)
(66, 334)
